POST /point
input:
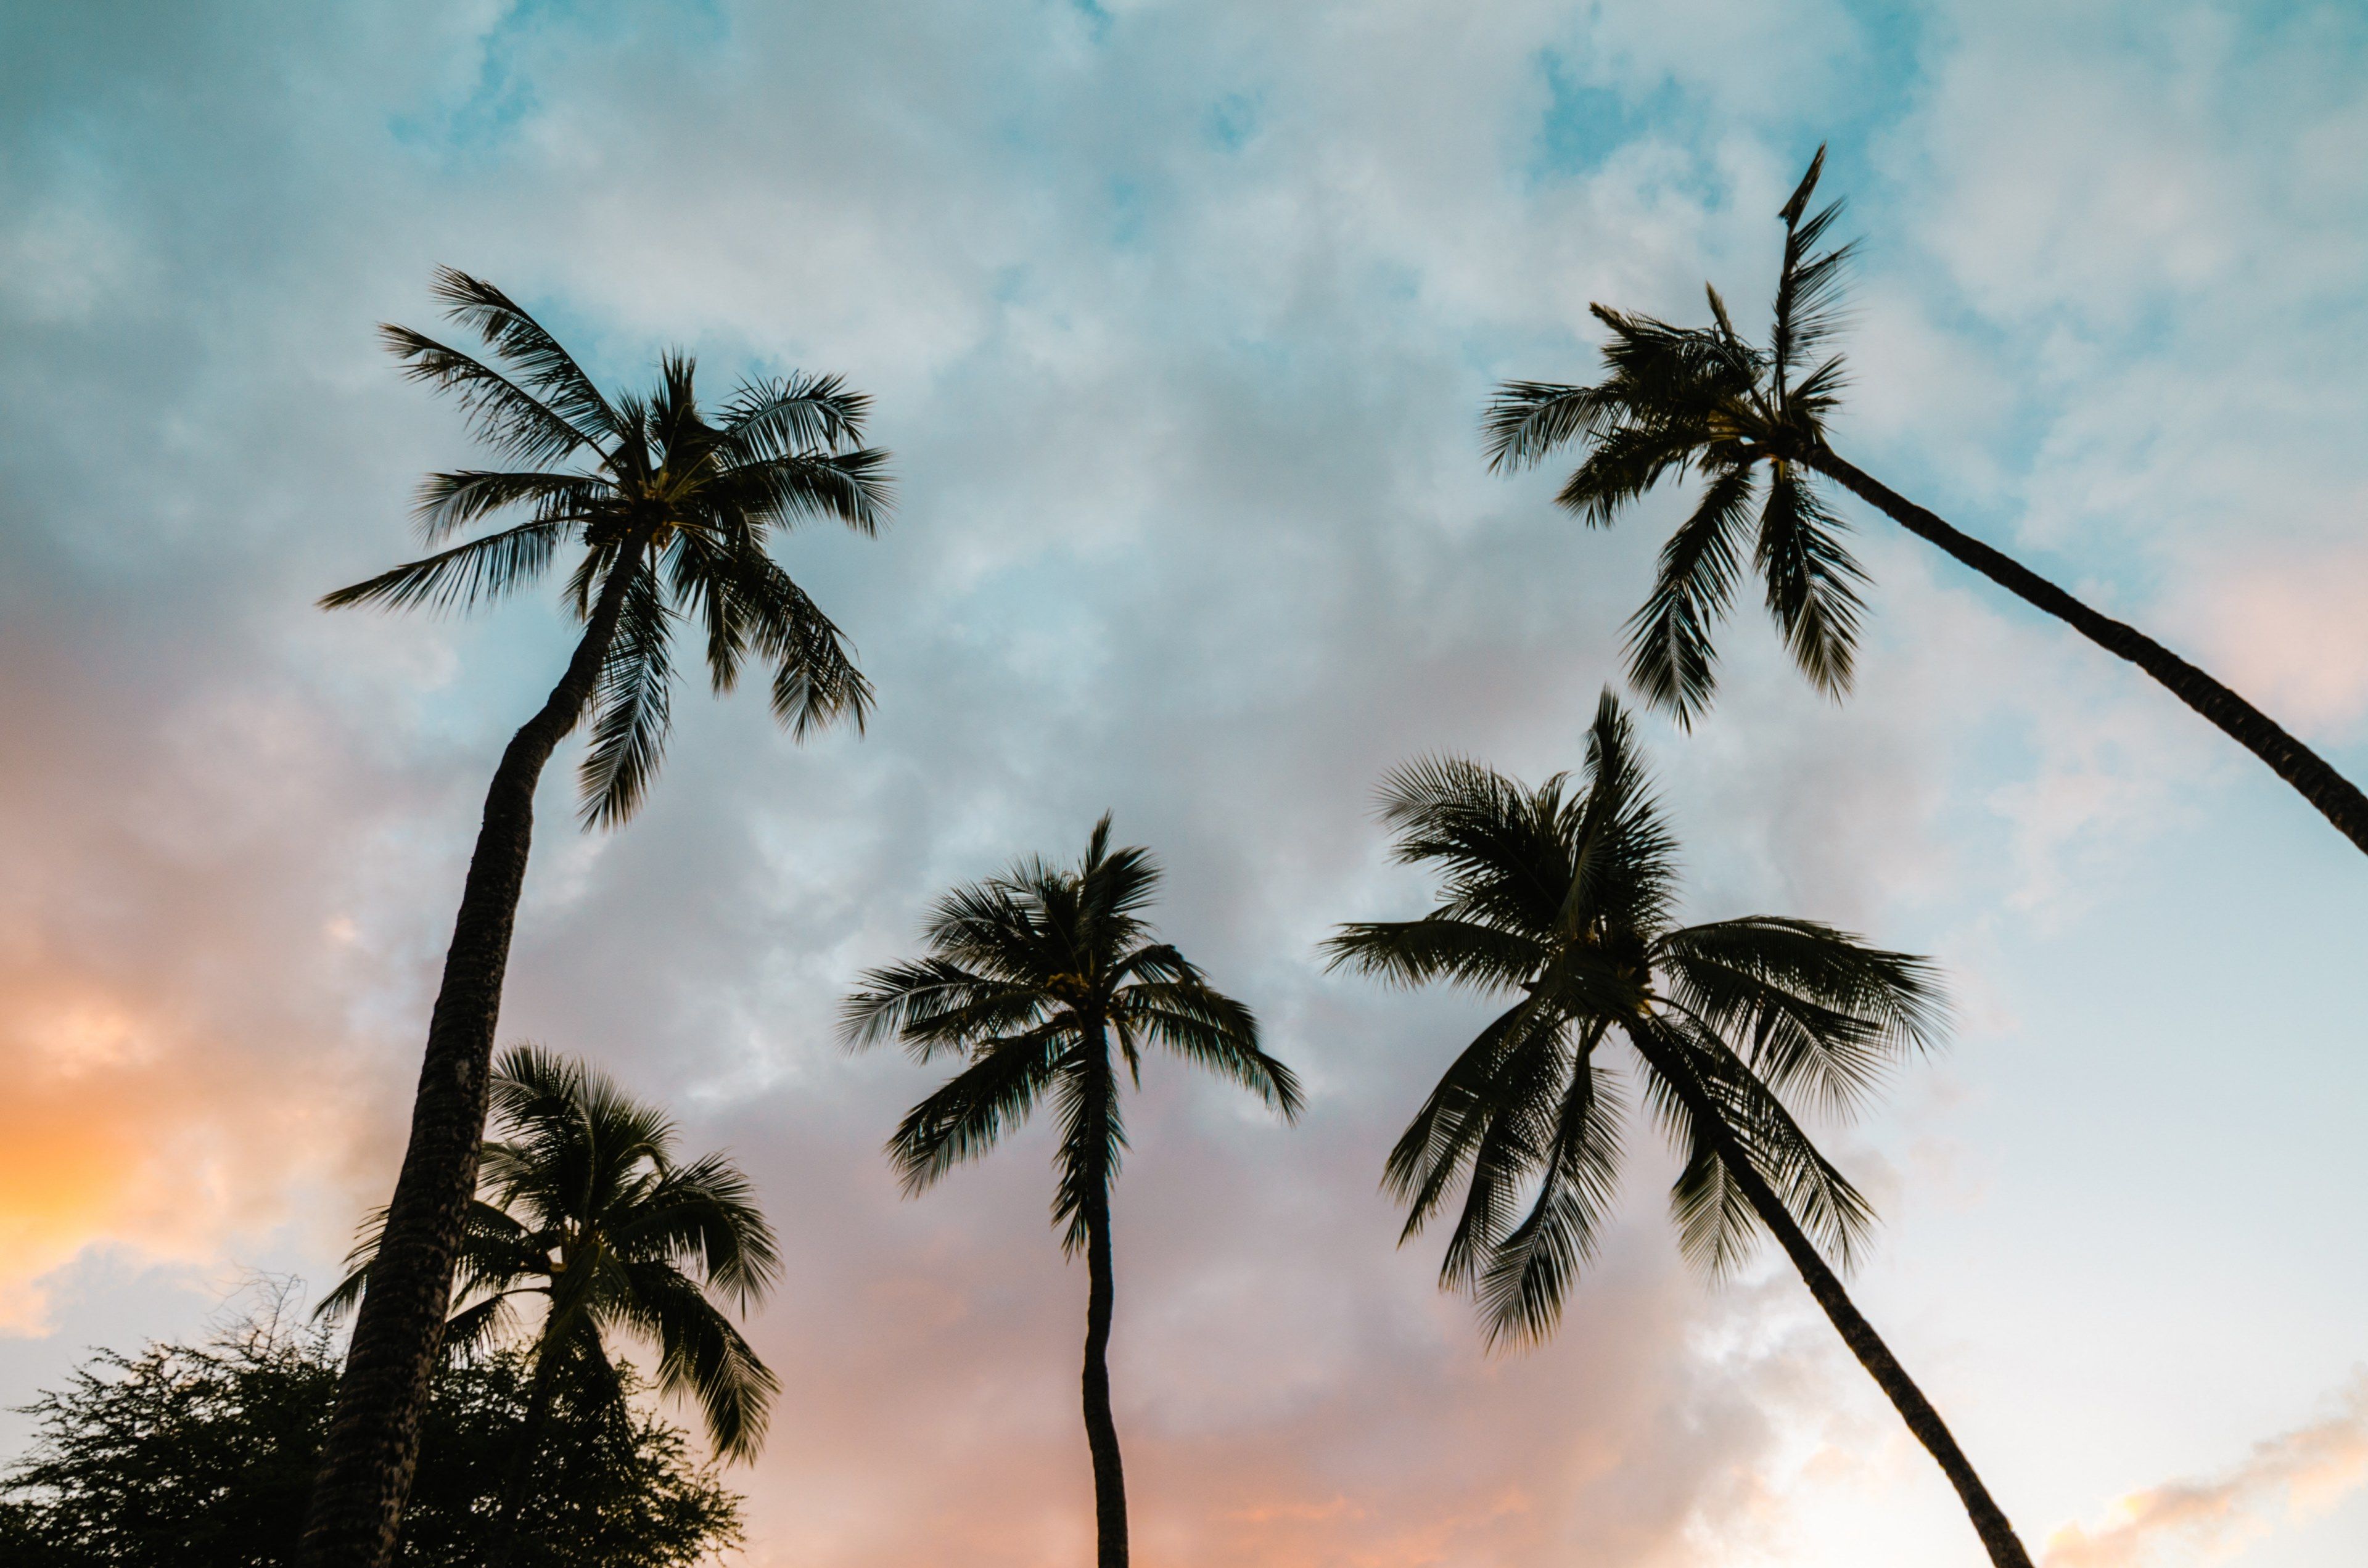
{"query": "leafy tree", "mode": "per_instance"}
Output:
(1032, 977)
(1567, 901)
(202, 1456)
(590, 1211)
(670, 508)
(1752, 421)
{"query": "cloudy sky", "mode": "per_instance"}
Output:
(1179, 318)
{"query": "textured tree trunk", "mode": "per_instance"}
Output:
(1101, 1430)
(1988, 1519)
(373, 1441)
(2336, 798)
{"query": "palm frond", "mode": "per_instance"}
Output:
(1670, 658)
(464, 575)
(1812, 579)
(632, 707)
(448, 503)
(1526, 421)
(518, 338)
(1527, 1275)
(795, 415)
(503, 415)
(971, 1112)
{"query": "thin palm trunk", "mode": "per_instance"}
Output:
(373, 1441)
(1101, 1430)
(2336, 798)
(1990, 1520)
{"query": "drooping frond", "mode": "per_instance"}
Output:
(1670, 659)
(1813, 1010)
(995, 1094)
(632, 707)
(1527, 1275)
(1812, 579)
(1211, 1029)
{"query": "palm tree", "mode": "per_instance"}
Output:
(1565, 900)
(1675, 399)
(584, 1204)
(671, 510)
(1033, 976)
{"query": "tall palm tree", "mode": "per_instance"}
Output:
(583, 1203)
(670, 507)
(1033, 976)
(1565, 899)
(1681, 399)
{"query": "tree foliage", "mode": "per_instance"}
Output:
(201, 1455)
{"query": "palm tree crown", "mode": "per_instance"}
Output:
(681, 499)
(1030, 975)
(585, 1205)
(1565, 899)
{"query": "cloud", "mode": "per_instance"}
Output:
(2309, 1469)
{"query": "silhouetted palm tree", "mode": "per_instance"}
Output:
(1677, 399)
(1566, 900)
(584, 1204)
(672, 510)
(1033, 976)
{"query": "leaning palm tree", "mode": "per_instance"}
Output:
(670, 507)
(1565, 899)
(1681, 399)
(585, 1205)
(1033, 976)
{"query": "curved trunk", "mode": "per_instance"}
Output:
(1101, 1430)
(1990, 1520)
(2336, 798)
(373, 1440)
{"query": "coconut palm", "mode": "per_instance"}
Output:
(669, 508)
(1564, 899)
(1032, 977)
(585, 1205)
(1753, 421)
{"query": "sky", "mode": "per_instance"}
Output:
(1179, 319)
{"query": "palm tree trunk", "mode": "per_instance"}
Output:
(2336, 798)
(1101, 1430)
(373, 1441)
(1990, 1520)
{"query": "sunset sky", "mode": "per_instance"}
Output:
(1179, 317)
